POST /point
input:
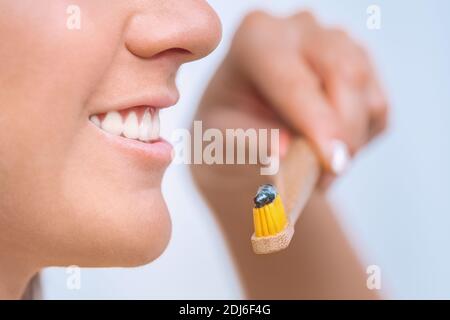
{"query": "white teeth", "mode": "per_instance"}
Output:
(131, 126)
(154, 135)
(145, 128)
(113, 123)
(95, 120)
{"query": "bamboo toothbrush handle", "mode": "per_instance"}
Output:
(295, 181)
(297, 178)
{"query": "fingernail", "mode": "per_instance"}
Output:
(340, 157)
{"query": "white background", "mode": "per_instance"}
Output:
(395, 201)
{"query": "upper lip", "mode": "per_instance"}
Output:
(145, 99)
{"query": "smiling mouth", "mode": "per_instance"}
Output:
(137, 123)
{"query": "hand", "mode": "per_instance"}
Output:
(304, 78)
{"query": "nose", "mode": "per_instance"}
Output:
(189, 28)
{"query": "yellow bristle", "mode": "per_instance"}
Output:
(257, 222)
(269, 219)
(276, 222)
(262, 216)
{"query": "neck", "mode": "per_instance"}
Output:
(15, 273)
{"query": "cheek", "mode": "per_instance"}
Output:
(47, 73)
(39, 101)
(47, 70)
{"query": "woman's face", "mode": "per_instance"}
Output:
(80, 159)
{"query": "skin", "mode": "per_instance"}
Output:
(68, 198)
(315, 82)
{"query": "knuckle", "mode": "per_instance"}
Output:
(378, 125)
(362, 55)
(356, 73)
(254, 19)
(248, 35)
(339, 34)
(305, 16)
(348, 67)
(356, 140)
(382, 107)
(343, 59)
(361, 50)
(381, 113)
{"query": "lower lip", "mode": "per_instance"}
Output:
(157, 153)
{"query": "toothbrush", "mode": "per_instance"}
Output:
(274, 222)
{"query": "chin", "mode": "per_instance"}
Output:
(133, 230)
(150, 240)
(140, 234)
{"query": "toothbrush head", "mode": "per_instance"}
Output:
(269, 216)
